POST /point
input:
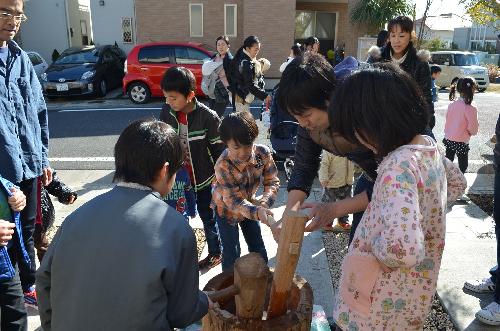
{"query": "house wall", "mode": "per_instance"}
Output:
(273, 22)
(79, 10)
(461, 37)
(55, 34)
(347, 32)
(107, 22)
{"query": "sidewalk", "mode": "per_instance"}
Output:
(469, 252)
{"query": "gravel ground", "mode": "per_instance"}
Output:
(336, 247)
(200, 240)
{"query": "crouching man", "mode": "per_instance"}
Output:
(126, 260)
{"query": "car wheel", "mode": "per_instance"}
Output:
(139, 93)
(102, 88)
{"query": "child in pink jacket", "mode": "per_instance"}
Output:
(390, 272)
(461, 122)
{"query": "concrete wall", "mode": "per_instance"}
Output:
(48, 17)
(79, 10)
(107, 22)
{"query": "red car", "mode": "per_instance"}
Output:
(147, 63)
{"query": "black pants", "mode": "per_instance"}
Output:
(463, 159)
(218, 107)
(13, 315)
(496, 216)
(28, 217)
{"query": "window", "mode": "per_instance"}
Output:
(188, 55)
(319, 24)
(230, 20)
(196, 19)
(107, 57)
(35, 59)
(441, 58)
(127, 32)
(156, 54)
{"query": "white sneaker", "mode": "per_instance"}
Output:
(480, 286)
(490, 314)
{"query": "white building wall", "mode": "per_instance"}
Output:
(46, 28)
(107, 22)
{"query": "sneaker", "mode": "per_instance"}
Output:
(30, 296)
(480, 286)
(210, 261)
(490, 314)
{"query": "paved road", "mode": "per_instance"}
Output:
(83, 132)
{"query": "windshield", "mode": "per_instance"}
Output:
(466, 60)
(89, 56)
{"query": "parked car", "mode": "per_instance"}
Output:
(459, 64)
(147, 63)
(38, 62)
(83, 71)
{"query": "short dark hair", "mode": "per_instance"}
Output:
(311, 41)
(382, 37)
(435, 69)
(296, 49)
(178, 79)
(240, 127)
(404, 22)
(225, 38)
(382, 104)
(143, 148)
(307, 82)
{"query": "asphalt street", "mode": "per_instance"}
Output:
(83, 132)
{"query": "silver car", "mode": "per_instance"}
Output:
(38, 62)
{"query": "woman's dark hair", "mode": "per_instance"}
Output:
(466, 86)
(143, 148)
(297, 49)
(178, 79)
(311, 41)
(225, 38)
(404, 22)
(382, 104)
(453, 88)
(247, 43)
(382, 38)
(307, 82)
(240, 127)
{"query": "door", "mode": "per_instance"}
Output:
(192, 59)
(447, 70)
(153, 62)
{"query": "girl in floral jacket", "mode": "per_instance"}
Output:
(390, 272)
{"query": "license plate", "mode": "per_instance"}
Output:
(62, 87)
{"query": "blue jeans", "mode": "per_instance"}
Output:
(230, 238)
(203, 200)
(496, 216)
(363, 184)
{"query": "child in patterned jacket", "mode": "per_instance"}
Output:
(390, 272)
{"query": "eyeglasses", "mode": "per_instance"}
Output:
(18, 19)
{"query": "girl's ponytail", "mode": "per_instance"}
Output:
(466, 87)
(453, 87)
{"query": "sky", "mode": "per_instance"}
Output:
(440, 7)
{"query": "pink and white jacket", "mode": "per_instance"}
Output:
(403, 228)
(461, 121)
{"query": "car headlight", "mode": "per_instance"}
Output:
(466, 71)
(88, 74)
(43, 77)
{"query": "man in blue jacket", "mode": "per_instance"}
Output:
(24, 132)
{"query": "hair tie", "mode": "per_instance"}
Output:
(468, 84)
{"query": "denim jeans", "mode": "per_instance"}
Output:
(230, 238)
(496, 216)
(203, 199)
(363, 184)
(28, 216)
(13, 314)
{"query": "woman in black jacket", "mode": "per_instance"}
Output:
(247, 75)
(400, 50)
(221, 91)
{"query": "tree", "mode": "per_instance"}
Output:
(483, 12)
(420, 36)
(434, 44)
(376, 13)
